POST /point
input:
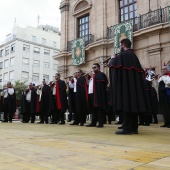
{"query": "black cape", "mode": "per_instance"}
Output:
(100, 90)
(71, 100)
(46, 104)
(81, 94)
(63, 96)
(155, 102)
(127, 87)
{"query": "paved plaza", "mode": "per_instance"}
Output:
(50, 147)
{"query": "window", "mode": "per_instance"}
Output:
(54, 44)
(1, 53)
(35, 76)
(46, 77)
(12, 47)
(128, 10)
(36, 63)
(83, 26)
(26, 48)
(6, 63)
(6, 76)
(1, 65)
(24, 75)
(25, 61)
(34, 39)
(6, 50)
(11, 75)
(46, 52)
(46, 65)
(12, 61)
(43, 41)
(37, 50)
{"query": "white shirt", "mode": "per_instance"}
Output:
(28, 96)
(165, 79)
(39, 92)
(54, 89)
(6, 91)
(73, 85)
(90, 90)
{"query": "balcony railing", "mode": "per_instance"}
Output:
(143, 21)
(88, 39)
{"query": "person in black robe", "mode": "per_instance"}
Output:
(81, 98)
(164, 100)
(155, 104)
(46, 105)
(30, 104)
(128, 93)
(100, 82)
(70, 101)
(61, 98)
(9, 105)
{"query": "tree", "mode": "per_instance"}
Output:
(19, 88)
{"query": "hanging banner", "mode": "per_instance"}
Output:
(122, 31)
(78, 52)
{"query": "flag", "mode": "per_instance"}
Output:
(122, 31)
(78, 52)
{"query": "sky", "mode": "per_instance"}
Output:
(26, 12)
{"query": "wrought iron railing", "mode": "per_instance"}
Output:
(146, 20)
(87, 38)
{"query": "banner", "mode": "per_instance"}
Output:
(78, 52)
(121, 31)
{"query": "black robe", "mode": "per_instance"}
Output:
(127, 87)
(63, 97)
(71, 100)
(155, 103)
(100, 90)
(33, 101)
(46, 104)
(81, 94)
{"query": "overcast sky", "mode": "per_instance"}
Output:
(26, 13)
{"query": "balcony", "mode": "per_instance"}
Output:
(146, 20)
(88, 39)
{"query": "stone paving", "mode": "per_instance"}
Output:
(52, 147)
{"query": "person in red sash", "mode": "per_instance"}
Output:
(60, 98)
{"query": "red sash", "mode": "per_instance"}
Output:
(58, 97)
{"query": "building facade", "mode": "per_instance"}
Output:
(26, 54)
(94, 20)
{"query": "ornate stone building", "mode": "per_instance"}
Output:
(94, 20)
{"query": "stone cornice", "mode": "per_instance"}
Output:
(64, 6)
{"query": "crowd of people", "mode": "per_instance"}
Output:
(128, 93)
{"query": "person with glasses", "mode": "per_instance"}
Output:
(128, 92)
(100, 102)
(81, 98)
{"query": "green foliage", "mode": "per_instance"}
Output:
(19, 88)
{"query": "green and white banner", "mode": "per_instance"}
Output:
(78, 52)
(121, 31)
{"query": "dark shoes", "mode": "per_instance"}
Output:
(91, 125)
(118, 123)
(100, 126)
(40, 122)
(5, 121)
(123, 132)
(168, 126)
(165, 125)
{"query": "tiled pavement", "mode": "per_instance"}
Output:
(51, 147)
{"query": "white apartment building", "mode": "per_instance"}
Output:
(26, 55)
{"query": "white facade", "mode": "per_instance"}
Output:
(26, 55)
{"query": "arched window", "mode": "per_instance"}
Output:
(128, 10)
